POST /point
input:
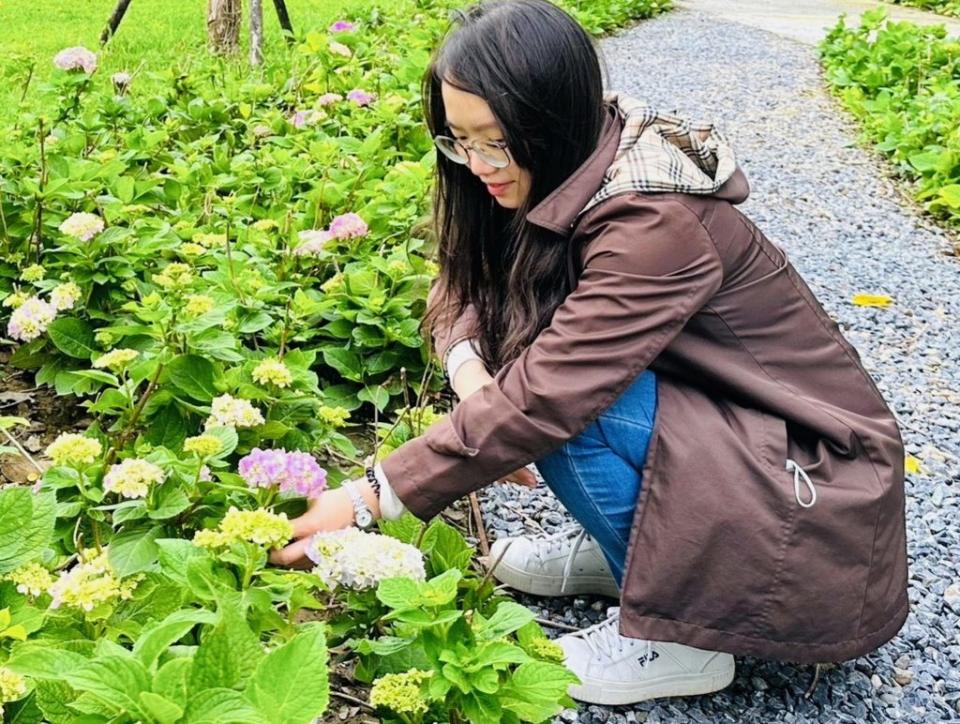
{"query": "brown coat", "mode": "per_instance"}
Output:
(752, 373)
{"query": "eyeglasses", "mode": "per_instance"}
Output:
(492, 153)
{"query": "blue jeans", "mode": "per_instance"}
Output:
(597, 475)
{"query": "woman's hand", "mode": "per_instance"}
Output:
(331, 510)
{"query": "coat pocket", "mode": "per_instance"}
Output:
(442, 438)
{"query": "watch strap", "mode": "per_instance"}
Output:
(363, 516)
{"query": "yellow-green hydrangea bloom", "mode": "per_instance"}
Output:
(191, 249)
(272, 372)
(133, 478)
(262, 527)
(402, 693)
(15, 300)
(227, 411)
(90, 583)
(72, 449)
(546, 649)
(203, 446)
(209, 241)
(116, 359)
(12, 685)
(198, 304)
(33, 273)
(31, 580)
(335, 417)
(175, 274)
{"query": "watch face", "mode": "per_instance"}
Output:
(364, 518)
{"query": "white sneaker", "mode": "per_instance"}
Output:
(615, 670)
(566, 563)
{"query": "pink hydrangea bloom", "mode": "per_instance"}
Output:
(121, 80)
(312, 241)
(300, 119)
(76, 58)
(31, 319)
(348, 226)
(342, 26)
(290, 472)
(328, 99)
(361, 97)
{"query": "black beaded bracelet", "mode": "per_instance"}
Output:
(372, 479)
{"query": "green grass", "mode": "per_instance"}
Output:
(155, 34)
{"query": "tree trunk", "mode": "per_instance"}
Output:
(256, 32)
(284, 17)
(114, 22)
(223, 25)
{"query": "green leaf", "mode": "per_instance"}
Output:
(132, 551)
(441, 590)
(446, 548)
(73, 337)
(376, 395)
(53, 696)
(171, 501)
(228, 653)
(508, 617)
(26, 526)
(290, 684)
(950, 195)
(41, 660)
(114, 681)
(207, 580)
(222, 706)
(175, 554)
(194, 376)
(124, 189)
(172, 680)
(167, 427)
(537, 690)
(154, 640)
(398, 593)
(160, 709)
(344, 361)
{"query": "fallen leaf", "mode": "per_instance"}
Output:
(912, 465)
(862, 299)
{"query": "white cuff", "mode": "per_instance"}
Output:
(391, 507)
(461, 352)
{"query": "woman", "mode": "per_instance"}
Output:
(678, 385)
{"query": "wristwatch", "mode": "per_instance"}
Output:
(363, 516)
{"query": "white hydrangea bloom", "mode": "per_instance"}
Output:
(355, 559)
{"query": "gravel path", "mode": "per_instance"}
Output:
(847, 229)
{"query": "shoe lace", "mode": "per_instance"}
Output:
(604, 639)
(560, 540)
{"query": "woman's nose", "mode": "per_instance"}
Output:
(477, 166)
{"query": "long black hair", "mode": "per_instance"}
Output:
(540, 74)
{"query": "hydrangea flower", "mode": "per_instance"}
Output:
(312, 242)
(198, 304)
(175, 274)
(82, 225)
(75, 450)
(76, 58)
(546, 649)
(262, 131)
(121, 80)
(333, 284)
(342, 26)
(262, 527)
(328, 99)
(116, 359)
(300, 119)
(15, 300)
(340, 49)
(290, 472)
(31, 319)
(348, 226)
(190, 249)
(361, 97)
(31, 580)
(272, 372)
(203, 446)
(90, 583)
(12, 685)
(64, 296)
(402, 693)
(227, 411)
(209, 241)
(264, 224)
(205, 475)
(132, 478)
(33, 273)
(355, 559)
(335, 417)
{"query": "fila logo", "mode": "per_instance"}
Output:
(648, 658)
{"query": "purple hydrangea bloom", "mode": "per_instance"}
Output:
(361, 97)
(263, 468)
(342, 26)
(328, 99)
(76, 58)
(348, 226)
(290, 472)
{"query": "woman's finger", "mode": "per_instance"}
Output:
(293, 555)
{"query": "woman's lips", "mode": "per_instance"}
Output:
(498, 189)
